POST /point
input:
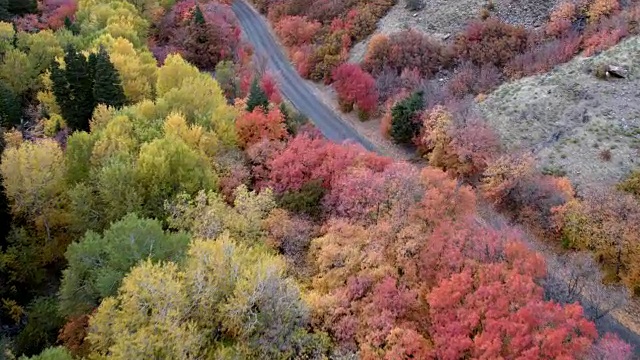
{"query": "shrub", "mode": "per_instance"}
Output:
(296, 30)
(490, 42)
(253, 127)
(405, 123)
(543, 58)
(631, 184)
(355, 87)
(604, 35)
(405, 49)
(307, 200)
(601, 8)
(561, 18)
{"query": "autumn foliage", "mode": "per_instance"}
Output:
(253, 127)
(355, 87)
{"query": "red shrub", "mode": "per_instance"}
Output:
(311, 157)
(268, 84)
(605, 35)
(543, 58)
(256, 126)
(296, 30)
(491, 42)
(561, 18)
(355, 87)
(406, 49)
(601, 8)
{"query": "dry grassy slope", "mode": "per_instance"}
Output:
(441, 18)
(568, 117)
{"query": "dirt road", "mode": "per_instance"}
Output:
(292, 86)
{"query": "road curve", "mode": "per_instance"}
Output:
(292, 86)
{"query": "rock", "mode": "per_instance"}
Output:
(416, 14)
(446, 36)
(617, 72)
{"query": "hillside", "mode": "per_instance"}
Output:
(569, 117)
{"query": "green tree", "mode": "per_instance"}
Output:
(41, 330)
(107, 86)
(257, 97)
(73, 88)
(404, 125)
(198, 16)
(52, 353)
(5, 212)
(21, 7)
(97, 263)
(10, 109)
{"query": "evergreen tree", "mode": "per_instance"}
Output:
(107, 87)
(198, 16)
(257, 97)
(404, 125)
(10, 109)
(73, 88)
(21, 7)
(5, 15)
(71, 26)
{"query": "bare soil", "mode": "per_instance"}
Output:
(569, 118)
(443, 18)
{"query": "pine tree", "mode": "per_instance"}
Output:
(71, 26)
(404, 126)
(257, 97)
(21, 7)
(107, 87)
(10, 109)
(73, 88)
(198, 16)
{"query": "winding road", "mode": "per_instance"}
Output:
(292, 86)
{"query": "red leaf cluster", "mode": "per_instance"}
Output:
(253, 127)
(355, 87)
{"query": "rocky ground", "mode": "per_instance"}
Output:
(574, 122)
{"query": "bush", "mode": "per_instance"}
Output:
(543, 58)
(307, 200)
(296, 30)
(408, 49)
(601, 8)
(355, 87)
(491, 42)
(631, 184)
(405, 123)
(253, 127)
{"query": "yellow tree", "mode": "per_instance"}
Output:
(225, 301)
(34, 182)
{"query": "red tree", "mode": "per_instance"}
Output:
(311, 157)
(494, 311)
(268, 84)
(296, 30)
(355, 87)
(257, 125)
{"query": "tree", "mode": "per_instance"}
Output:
(34, 183)
(404, 123)
(227, 300)
(355, 87)
(198, 17)
(252, 127)
(73, 88)
(107, 86)
(52, 353)
(5, 209)
(10, 107)
(503, 297)
(41, 330)
(491, 42)
(97, 263)
(257, 97)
